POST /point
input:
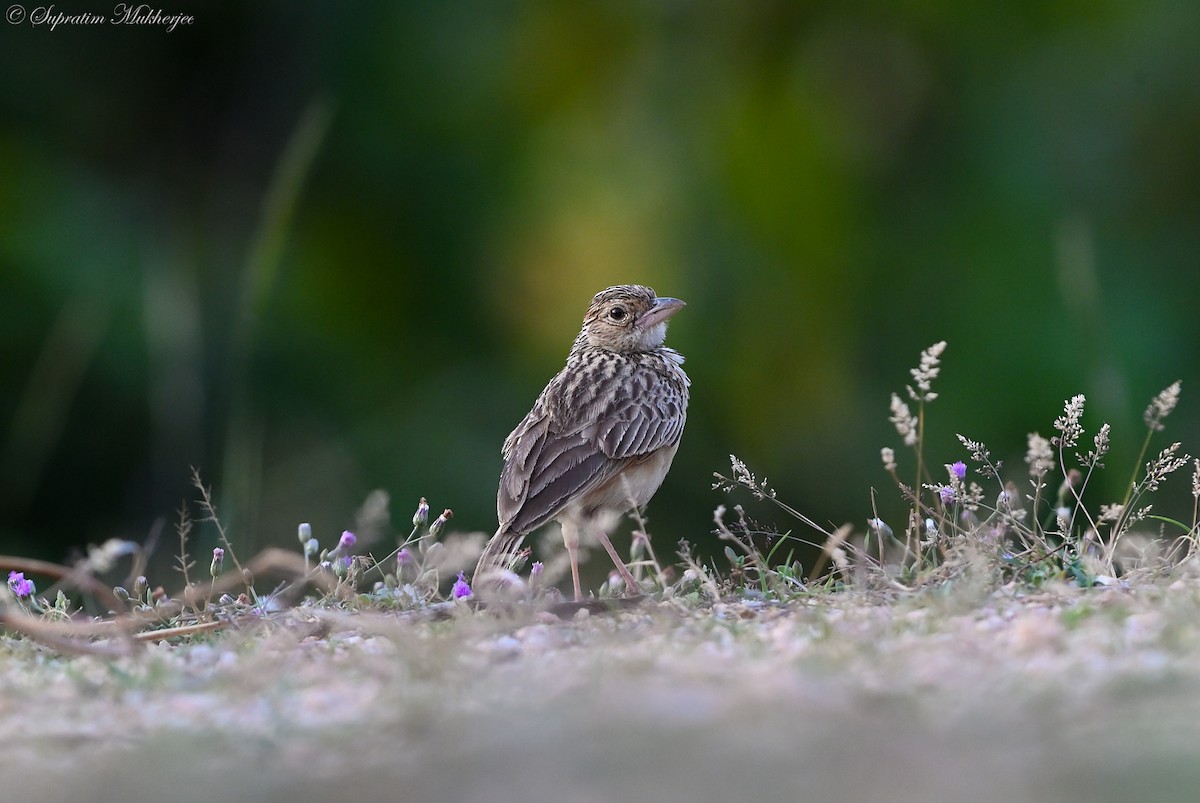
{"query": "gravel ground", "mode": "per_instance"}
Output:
(958, 694)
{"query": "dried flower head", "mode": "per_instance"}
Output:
(888, 455)
(744, 477)
(972, 497)
(981, 455)
(1039, 456)
(904, 420)
(1162, 466)
(1161, 406)
(926, 372)
(1099, 448)
(1068, 425)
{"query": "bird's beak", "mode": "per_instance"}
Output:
(663, 309)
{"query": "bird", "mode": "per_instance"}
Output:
(601, 435)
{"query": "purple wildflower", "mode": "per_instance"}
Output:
(21, 587)
(959, 469)
(218, 560)
(405, 557)
(947, 494)
(435, 529)
(461, 589)
(341, 565)
(422, 514)
(348, 540)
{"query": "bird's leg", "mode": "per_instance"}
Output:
(631, 585)
(570, 535)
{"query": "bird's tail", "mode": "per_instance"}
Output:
(499, 556)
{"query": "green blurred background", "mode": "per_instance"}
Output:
(317, 249)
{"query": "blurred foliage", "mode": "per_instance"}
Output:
(316, 249)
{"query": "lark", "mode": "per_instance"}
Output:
(601, 436)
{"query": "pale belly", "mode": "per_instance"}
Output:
(633, 487)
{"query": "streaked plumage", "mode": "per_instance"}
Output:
(601, 436)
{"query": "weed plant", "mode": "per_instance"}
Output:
(1041, 525)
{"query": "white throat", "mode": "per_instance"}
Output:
(654, 337)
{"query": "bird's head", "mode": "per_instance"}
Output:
(627, 318)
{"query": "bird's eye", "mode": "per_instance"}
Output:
(617, 313)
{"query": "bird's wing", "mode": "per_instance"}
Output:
(641, 423)
(545, 468)
(553, 457)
